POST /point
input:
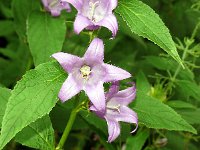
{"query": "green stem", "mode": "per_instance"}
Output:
(69, 123)
(67, 129)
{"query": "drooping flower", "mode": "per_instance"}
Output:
(88, 73)
(56, 6)
(117, 109)
(93, 14)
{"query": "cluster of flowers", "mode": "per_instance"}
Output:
(90, 72)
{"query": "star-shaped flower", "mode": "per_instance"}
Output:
(93, 14)
(117, 110)
(88, 74)
(56, 6)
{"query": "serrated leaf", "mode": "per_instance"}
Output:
(33, 97)
(4, 96)
(21, 9)
(154, 114)
(39, 134)
(46, 35)
(143, 21)
(137, 141)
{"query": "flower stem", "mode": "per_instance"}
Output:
(67, 130)
(69, 126)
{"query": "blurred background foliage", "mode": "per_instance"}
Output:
(163, 78)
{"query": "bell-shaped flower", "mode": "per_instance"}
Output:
(56, 6)
(93, 14)
(117, 110)
(88, 74)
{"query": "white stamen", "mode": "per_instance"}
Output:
(85, 71)
(115, 108)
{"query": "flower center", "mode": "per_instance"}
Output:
(114, 108)
(92, 7)
(85, 72)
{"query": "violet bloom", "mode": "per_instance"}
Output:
(88, 73)
(56, 6)
(117, 110)
(93, 14)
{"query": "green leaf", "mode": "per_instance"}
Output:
(190, 115)
(180, 104)
(6, 27)
(32, 98)
(21, 9)
(137, 141)
(154, 114)
(4, 96)
(143, 21)
(143, 83)
(39, 134)
(188, 89)
(165, 64)
(46, 35)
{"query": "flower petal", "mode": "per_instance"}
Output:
(81, 23)
(76, 3)
(67, 61)
(123, 97)
(95, 51)
(113, 129)
(69, 89)
(110, 22)
(126, 115)
(113, 4)
(115, 74)
(96, 95)
(66, 6)
(114, 88)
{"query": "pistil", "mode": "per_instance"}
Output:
(93, 6)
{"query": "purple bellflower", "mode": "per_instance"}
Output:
(56, 6)
(117, 110)
(93, 14)
(88, 73)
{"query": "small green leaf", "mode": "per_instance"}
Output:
(4, 96)
(32, 98)
(143, 83)
(180, 104)
(39, 134)
(137, 141)
(143, 21)
(154, 114)
(46, 35)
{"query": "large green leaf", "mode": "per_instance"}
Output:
(45, 35)
(39, 134)
(154, 114)
(21, 9)
(32, 98)
(4, 96)
(143, 21)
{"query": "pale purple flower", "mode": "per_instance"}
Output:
(56, 6)
(88, 73)
(93, 14)
(117, 110)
